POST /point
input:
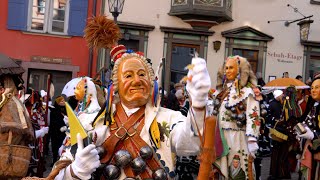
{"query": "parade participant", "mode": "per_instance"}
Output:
(133, 83)
(86, 110)
(16, 131)
(283, 157)
(238, 116)
(36, 112)
(275, 106)
(310, 119)
(88, 106)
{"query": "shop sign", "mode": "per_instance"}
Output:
(52, 60)
(284, 57)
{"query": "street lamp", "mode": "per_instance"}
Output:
(115, 8)
(304, 29)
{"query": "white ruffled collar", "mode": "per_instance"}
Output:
(234, 98)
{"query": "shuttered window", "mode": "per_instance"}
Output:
(62, 17)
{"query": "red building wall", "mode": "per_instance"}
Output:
(19, 45)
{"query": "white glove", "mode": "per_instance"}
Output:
(42, 132)
(200, 83)
(308, 135)
(253, 148)
(86, 160)
(66, 120)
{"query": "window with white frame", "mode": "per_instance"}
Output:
(48, 16)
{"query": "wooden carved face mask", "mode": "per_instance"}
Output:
(79, 92)
(315, 90)
(231, 69)
(134, 83)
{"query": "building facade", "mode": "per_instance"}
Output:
(262, 31)
(45, 36)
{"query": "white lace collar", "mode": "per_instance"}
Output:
(234, 98)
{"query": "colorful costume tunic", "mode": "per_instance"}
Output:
(235, 138)
(179, 136)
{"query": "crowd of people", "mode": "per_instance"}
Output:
(134, 129)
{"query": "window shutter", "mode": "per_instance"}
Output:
(17, 14)
(77, 17)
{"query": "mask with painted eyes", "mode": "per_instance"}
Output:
(231, 69)
(134, 83)
(315, 90)
(80, 91)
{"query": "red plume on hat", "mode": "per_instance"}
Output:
(102, 32)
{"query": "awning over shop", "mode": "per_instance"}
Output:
(8, 66)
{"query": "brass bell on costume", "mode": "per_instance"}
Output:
(241, 117)
(234, 116)
(263, 112)
(216, 102)
(146, 152)
(122, 158)
(241, 107)
(215, 112)
(239, 124)
(111, 172)
(160, 174)
(138, 165)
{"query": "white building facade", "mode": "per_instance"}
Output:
(174, 29)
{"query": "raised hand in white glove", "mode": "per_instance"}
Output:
(308, 135)
(86, 160)
(42, 132)
(198, 83)
(253, 148)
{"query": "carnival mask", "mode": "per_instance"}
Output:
(79, 92)
(231, 69)
(315, 90)
(134, 83)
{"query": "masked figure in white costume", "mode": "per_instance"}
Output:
(137, 134)
(238, 116)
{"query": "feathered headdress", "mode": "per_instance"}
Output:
(102, 32)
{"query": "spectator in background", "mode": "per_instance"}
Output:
(172, 102)
(180, 96)
(260, 79)
(299, 77)
(57, 122)
(275, 106)
(302, 100)
(285, 75)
